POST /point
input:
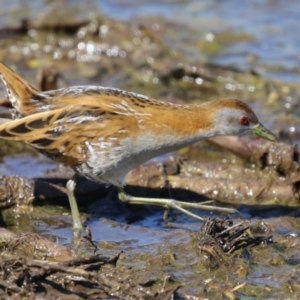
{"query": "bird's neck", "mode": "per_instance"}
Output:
(173, 129)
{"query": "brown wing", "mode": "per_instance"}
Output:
(63, 133)
(27, 100)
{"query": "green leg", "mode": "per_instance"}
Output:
(170, 203)
(71, 184)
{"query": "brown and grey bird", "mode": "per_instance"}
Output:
(103, 133)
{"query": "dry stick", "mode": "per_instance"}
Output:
(10, 286)
(87, 238)
(87, 260)
(49, 268)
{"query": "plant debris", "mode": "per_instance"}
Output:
(219, 237)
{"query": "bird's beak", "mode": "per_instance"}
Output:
(264, 133)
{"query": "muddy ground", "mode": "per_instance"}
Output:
(132, 252)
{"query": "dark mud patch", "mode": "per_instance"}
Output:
(169, 60)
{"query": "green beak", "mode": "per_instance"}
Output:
(264, 133)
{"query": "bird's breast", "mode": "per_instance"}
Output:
(110, 159)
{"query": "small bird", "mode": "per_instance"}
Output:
(103, 133)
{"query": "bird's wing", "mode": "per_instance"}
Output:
(64, 134)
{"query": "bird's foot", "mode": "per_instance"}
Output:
(175, 204)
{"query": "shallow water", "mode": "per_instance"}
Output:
(26, 165)
(271, 27)
(259, 35)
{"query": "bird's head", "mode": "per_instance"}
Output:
(234, 117)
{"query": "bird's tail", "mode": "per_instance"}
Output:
(20, 93)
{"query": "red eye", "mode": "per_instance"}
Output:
(244, 120)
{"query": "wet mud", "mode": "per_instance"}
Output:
(131, 251)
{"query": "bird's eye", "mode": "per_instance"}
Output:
(244, 120)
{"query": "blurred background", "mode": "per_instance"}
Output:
(183, 51)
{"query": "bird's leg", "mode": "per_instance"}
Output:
(170, 203)
(167, 185)
(71, 184)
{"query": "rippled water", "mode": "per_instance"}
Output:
(270, 44)
(273, 26)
